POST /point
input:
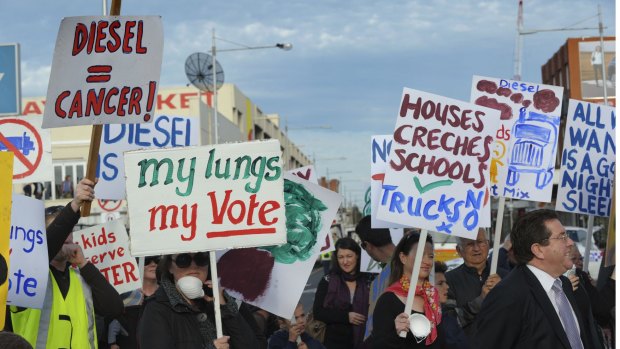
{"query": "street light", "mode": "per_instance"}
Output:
(282, 46)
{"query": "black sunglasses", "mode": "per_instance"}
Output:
(150, 259)
(364, 244)
(184, 260)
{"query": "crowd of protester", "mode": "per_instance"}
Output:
(539, 297)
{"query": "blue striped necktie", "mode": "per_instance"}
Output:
(566, 315)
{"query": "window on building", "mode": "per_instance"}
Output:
(71, 171)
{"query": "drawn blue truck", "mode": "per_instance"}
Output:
(24, 144)
(534, 147)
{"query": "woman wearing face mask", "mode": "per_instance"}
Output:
(180, 315)
(389, 319)
(341, 299)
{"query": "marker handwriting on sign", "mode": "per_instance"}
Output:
(30, 236)
(258, 169)
(104, 36)
(447, 210)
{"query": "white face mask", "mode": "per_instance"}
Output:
(191, 287)
(419, 326)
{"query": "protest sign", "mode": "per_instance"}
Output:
(523, 154)
(105, 70)
(6, 169)
(106, 246)
(588, 159)
(29, 260)
(437, 178)
(273, 277)
(31, 145)
(205, 198)
(380, 150)
(165, 131)
(306, 172)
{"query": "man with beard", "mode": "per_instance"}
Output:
(75, 290)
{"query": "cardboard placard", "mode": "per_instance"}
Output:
(380, 151)
(164, 132)
(106, 246)
(306, 172)
(273, 277)
(437, 178)
(105, 71)
(588, 159)
(205, 198)
(523, 154)
(29, 260)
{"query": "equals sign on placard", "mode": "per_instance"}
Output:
(99, 73)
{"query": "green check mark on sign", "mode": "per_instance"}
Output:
(431, 186)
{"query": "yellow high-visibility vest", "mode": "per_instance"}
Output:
(63, 322)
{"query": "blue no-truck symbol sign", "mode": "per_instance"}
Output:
(10, 82)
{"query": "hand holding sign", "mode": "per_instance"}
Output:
(85, 192)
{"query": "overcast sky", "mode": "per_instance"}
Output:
(350, 61)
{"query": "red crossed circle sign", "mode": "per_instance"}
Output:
(31, 166)
(109, 205)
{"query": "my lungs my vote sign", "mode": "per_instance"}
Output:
(588, 159)
(437, 178)
(205, 198)
(29, 270)
(31, 146)
(164, 131)
(105, 70)
(106, 246)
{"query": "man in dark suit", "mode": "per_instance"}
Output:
(534, 306)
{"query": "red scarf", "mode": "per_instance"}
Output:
(432, 309)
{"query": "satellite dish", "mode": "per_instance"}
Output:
(199, 71)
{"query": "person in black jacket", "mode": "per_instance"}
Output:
(534, 306)
(341, 299)
(471, 281)
(177, 318)
(389, 318)
(62, 252)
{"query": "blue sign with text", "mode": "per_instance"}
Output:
(10, 84)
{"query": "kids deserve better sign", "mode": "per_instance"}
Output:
(205, 198)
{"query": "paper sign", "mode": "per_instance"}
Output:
(588, 159)
(273, 278)
(205, 198)
(29, 260)
(437, 178)
(306, 172)
(105, 71)
(6, 186)
(165, 131)
(106, 246)
(380, 151)
(523, 154)
(31, 145)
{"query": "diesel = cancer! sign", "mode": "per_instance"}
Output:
(31, 147)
